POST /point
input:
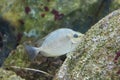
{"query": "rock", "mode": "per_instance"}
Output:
(17, 57)
(97, 57)
(35, 19)
(9, 75)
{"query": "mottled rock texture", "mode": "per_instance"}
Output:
(97, 57)
(8, 75)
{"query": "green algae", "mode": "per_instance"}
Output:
(17, 57)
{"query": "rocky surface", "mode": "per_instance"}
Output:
(98, 54)
(9, 75)
(30, 20)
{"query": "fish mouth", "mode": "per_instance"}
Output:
(80, 35)
(77, 40)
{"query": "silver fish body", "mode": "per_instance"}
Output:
(57, 43)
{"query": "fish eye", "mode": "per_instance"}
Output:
(75, 36)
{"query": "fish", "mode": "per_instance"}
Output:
(56, 43)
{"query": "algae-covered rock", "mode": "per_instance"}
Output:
(97, 57)
(32, 19)
(8, 75)
(17, 57)
(41, 68)
(47, 15)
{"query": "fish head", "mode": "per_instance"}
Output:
(75, 37)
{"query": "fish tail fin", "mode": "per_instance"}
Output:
(32, 51)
